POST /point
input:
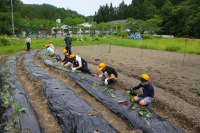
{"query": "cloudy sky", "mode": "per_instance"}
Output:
(84, 7)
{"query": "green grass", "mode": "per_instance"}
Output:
(173, 45)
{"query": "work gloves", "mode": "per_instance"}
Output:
(106, 81)
(74, 69)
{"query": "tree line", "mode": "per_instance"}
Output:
(175, 17)
(34, 17)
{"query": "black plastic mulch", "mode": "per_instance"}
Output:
(12, 90)
(73, 113)
(154, 124)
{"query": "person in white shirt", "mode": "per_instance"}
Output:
(48, 50)
(79, 64)
(51, 45)
(28, 42)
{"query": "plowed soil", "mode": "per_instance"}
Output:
(40, 104)
(175, 76)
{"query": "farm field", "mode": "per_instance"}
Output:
(175, 82)
(175, 79)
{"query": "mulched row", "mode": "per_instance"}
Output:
(109, 96)
(72, 112)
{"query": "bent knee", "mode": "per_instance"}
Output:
(135, 99)
(142, 102)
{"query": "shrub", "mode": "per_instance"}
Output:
(96, 38)
(77, 38)
(5, 41)
(100, 35)
(86, 38)
(121, 33)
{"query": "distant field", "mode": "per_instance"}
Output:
(191, 46)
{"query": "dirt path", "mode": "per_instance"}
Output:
(175, 82)
(37, 99)
(2, 59)
(111, 117)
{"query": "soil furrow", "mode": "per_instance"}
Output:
(160, 106)
(2, 59)
(37, 98)
(112, 118)
(176, 101)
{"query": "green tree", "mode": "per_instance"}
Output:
(136, 25)
(73, 23)
(153, 25)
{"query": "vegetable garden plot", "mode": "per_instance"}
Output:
(16, 111)
(138, 118)
(73, 113)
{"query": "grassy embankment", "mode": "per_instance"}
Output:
(174, 44)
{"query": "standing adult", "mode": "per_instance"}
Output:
(28, 42)
(68, 42)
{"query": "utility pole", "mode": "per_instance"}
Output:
(13, 25)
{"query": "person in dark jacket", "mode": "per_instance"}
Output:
(66, 61)
(112, 74)
(148, 91)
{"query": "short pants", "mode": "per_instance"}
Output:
(146, 99)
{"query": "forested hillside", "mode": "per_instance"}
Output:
(32, 17)
(179, 17)
(174, 17)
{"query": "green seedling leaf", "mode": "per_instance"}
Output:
(105, 89)
(130, 98)
(17, 110)
(141, 113)
(8, 127)
(16, 103)
(82, 78)
(75, 71)
(95, 84)
(148, 115)
(14, 122)
(113, 95)
(199, 91)
(133, 107)
(110, 90)
(23, 110)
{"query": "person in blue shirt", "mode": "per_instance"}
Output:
(148, 91)
(55, 56)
